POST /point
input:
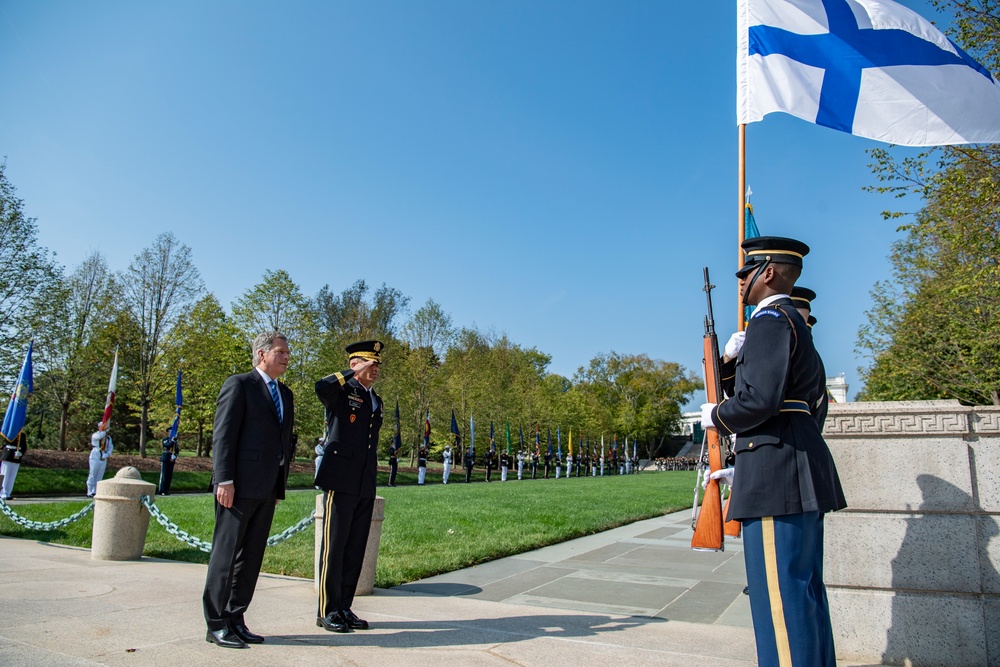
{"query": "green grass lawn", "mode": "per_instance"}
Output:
(427, 530)
(47, 481)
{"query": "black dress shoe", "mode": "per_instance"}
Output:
(225, 638)
(243, 632)
(353, 622)
(332, 622)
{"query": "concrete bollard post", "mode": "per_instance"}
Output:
(366, 583)
(120, 520)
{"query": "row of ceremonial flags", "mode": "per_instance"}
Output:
(17, 408)
(585, 445)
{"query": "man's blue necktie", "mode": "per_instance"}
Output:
(273, 386)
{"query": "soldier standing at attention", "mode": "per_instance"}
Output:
(784, 480)
(393, 465)
(11, 457)
(470, 461)
(421, 465)
(347, 477)
(504, 465)
(490, 456)
(520, 463)
(534, 464)
(167, 458)
(548, 463)
(446, 455)
(101, 447)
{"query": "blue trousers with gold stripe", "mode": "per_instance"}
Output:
(791, 616)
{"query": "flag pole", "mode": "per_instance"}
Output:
(740, 321)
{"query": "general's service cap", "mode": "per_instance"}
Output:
(369, 350)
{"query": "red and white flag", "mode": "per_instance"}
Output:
(110, 404)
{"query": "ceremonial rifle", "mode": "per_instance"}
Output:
(708, 531)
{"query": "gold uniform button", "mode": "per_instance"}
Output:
(750, 446)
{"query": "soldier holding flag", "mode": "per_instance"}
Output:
(397, 442)
(15, 443)
(101, 445)
(491, 454)
(170, 448)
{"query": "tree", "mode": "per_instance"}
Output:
(351, 315)
(416, 374)
(157, 288)
(637, 396)
(209, 348)
(278, 304)
(934, 330)
(77, 308)
(28, 274)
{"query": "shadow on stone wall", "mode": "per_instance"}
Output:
(928, 619)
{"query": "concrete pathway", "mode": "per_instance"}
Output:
(635, 594)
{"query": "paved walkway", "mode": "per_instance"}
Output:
(635, 594)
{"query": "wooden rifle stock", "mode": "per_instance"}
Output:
(708, 531)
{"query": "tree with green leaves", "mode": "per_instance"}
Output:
(278, 304)
(28, 274)
(158, 286)
(637, 396)
(209, 348)
(934, 328)
(415, 370)
(66, 323)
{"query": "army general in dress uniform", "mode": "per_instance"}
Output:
(347, 477)
(785, 479)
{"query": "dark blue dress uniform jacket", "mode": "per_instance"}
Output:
(776, 407)
(350, 462)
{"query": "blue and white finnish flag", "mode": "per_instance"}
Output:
(873, 68)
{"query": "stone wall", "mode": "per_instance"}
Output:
(913, 565)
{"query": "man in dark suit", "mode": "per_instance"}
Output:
(785, 480)
(251, 452)
(347, 477)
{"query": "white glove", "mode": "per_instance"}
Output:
(320, 449)
(725, 476)
(735, 344)
(706, 415)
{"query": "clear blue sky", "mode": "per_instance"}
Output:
(559, 171)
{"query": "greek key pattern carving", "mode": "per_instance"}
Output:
(986, 421)
(945, 423)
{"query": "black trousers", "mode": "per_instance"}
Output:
(347, 518)
(393, 465)
(238, 544)
(166, 475)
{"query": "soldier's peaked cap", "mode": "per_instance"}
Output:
(369, 350)
(803, 297)
(774, 249)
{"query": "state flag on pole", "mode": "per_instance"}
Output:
(109, 404)
(397, 440)
(872, 68)
(17, 409)
(179, 398)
